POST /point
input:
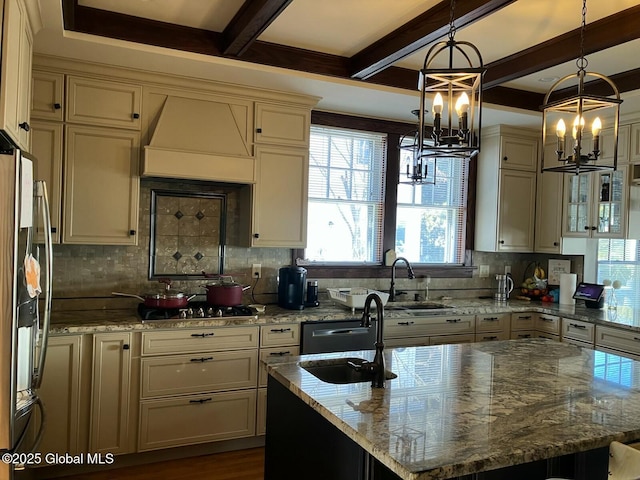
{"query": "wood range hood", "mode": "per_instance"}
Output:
(201, 140)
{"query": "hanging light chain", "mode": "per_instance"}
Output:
(582, 62)
(452, 27)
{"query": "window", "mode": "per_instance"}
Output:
(620, 260)
(346, 196)
(431, 217)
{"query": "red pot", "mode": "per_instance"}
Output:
(225, 293)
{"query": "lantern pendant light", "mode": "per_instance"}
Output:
(585, 113)
(454, 94)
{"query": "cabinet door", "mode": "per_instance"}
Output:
(101, 186)
(46, 96)
(105, 103)
(15, 80)
(280, 197)
(46, 146)
(548, 230)
(519, 153)
(606, 145)
(110, 393)
(634, 143)
(60, 393)
(610, 201)
(516, 211)
(279, 125)
(577, 205)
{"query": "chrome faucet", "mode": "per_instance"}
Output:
(377, 367)
(410, 275)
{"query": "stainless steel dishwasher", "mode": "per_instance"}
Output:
(337, 336)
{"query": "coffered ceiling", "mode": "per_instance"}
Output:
(360, 56)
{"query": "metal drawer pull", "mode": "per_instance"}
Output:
(490, 319)
(202, 335)
(201, 401)
(406, 323)
(453, 320)
(202, 359)
(636, 338)
(524, 318)
(524, 335)
(341, 331)
(490, 338)
(544, 319)
(280, 354)
(280, 330)
(575, 325)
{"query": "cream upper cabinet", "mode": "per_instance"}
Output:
(110, 393)
(47, 96)
(634, 143)
(46, 146)
(62, 394)
(279, 198)
(548, 211)
(101, 186)
(282, 125)
(105, 103)
(15, 79)
(606, 145)
(595, 204)
(506, 190)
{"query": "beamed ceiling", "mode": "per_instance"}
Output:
(376, 43)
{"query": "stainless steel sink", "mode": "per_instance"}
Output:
(341, 370)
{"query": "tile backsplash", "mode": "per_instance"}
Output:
(82, 271)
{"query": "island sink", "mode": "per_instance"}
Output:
(342, 370)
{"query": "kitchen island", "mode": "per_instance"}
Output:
(513, 409)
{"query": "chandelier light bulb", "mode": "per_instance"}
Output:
(577, 123)
(561, 129)
(438, 104)
(462, 104)
(596, 126)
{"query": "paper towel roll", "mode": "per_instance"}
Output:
(568, 282)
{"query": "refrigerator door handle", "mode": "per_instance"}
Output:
(41, 194)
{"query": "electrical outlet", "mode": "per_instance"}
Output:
(256, 270)
(483, 271)
(507, 269)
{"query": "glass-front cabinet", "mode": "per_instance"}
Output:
(595, 204)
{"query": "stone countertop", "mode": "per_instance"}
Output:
(123, 319)
(459, 409)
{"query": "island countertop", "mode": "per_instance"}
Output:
(458, 409)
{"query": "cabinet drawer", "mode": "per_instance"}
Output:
(448, 339)
(523, 321)
(493, 323)
(515, 335)
(548, 323)
(578, 330)
(492, 336)
(196, 419)
(104, 103)
(199, 340)
(549, 336)
(427, 326)
(205, 372)
(577, 343)
(618, 338)
(277, 352)
(277, 335)
(406, 342)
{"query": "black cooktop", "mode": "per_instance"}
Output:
(194, 310)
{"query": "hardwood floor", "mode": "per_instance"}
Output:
(237, 465)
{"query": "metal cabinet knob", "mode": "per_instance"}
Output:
(136, 115)
(57, 106)
(25, 126)
(125, 346)
(256, 235)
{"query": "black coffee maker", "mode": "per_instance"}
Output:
(291, 281)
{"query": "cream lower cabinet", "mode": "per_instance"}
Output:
(576, 332)
(111, 429)
(64, 393)
(523, 325)
(276, 341)
(278, 198)
(197, 386)
(492, 327)
(547, 326)
(433, 330)
(101, 186)
(618, 340)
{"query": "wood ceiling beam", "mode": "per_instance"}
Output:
(249, 22)
(605, 33)
(427, 28)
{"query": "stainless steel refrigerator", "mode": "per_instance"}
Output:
(25, 307)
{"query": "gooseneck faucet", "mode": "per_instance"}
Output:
(410, 275)
(377, 367)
